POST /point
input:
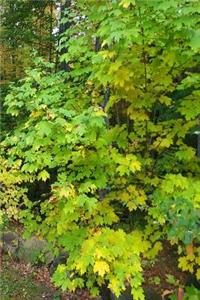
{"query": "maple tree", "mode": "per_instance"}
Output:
(25, 25)
(109, 137)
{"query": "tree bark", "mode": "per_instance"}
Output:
(63, 27)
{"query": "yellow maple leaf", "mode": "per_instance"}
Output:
(101, 267)
(67, 191)
(135, 166)
(35, 113)
(185, 265)
(197, 260)
(163, 142)
(127, 3)
(61, 268)
(165, 100)
(43, 175)
(80, 266)
(98, 253)
(114, 286)
(191, 257)
(131, 206)
(124, 196)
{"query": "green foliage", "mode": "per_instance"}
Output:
(175, 202)
(191, 293)
(172, 280)
(155, 280)
(3, 224)
(12, 195)
(107, 159)
(102, 253)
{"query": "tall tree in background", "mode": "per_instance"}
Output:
(64, 25)
(25, 26)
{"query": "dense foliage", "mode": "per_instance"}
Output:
(108, 139)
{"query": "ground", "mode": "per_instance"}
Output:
(18, 283)
(163, 274)
(25, 282)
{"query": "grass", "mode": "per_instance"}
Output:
(14, 286)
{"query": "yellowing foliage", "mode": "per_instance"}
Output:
(110, 140)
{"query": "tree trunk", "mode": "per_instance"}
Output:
(63, 27)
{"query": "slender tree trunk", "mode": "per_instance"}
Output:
(198, 144)
(63, 27)
(50, 32)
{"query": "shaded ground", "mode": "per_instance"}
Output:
(165, 268)
(163, 275)
(24, 282)
(18, 283)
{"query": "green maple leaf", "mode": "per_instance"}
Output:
(43, 128)
(43, 175)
